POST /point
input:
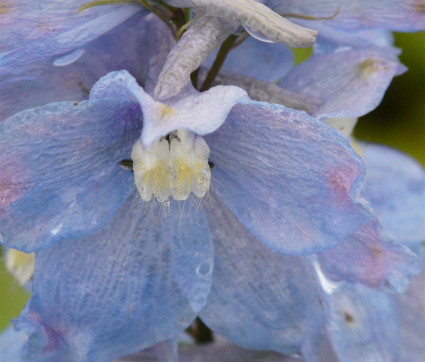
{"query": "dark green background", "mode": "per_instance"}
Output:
(399, 121)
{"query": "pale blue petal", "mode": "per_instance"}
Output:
(11, 343)
(363, 325)
(36, 30)
(395, 188)
(292, 181)
(370, 257)
(397, 15)
(411, 306)
(260, 299)
(125, 47)
(351, 83)
(120, 290)
(60, 171)
(258, 59)
(334, 40)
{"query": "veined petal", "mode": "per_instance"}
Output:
(350, 83)
(396, 15)
(260, 299)
(33, 31)
(201, 113)
(370, 257)
(119, 290)
(395, 188)
(363, 325)
(60, 171)
(253, 58)
(292, 181)
(125, 47)
(256, 18)
(204, 34)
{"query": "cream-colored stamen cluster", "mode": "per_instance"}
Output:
(173, 167)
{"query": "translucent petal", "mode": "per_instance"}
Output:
(405, 15)
(33, 31)
(125, 47)
(332, 40)
(292, 181)
(125, 288)
(259, 299)
(395, 188)
(351, 83)
(370, 257)
(60, 172)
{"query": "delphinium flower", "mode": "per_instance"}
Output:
(117, 271)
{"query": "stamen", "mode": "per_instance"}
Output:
(174, 166)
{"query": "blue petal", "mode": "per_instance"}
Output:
(370, 257)
(363, 325)
(259, 299)
(126, 47)
(334, 40)
(33, 31)
(292, 181)
(353, 15)
(395, 188)
(411, 306)
(123, 289)
(60, 172)
(11, 343)
(350, 83)
(258, 59)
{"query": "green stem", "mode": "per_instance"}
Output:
(225, 48)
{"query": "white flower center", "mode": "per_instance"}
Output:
(173, 166)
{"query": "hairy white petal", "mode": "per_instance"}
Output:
(204, 35)
(256, 18)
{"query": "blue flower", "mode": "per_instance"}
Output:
(248, 214)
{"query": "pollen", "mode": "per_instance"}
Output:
(165, 112)
(370, 66)
(174, 166)
(5, 7)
